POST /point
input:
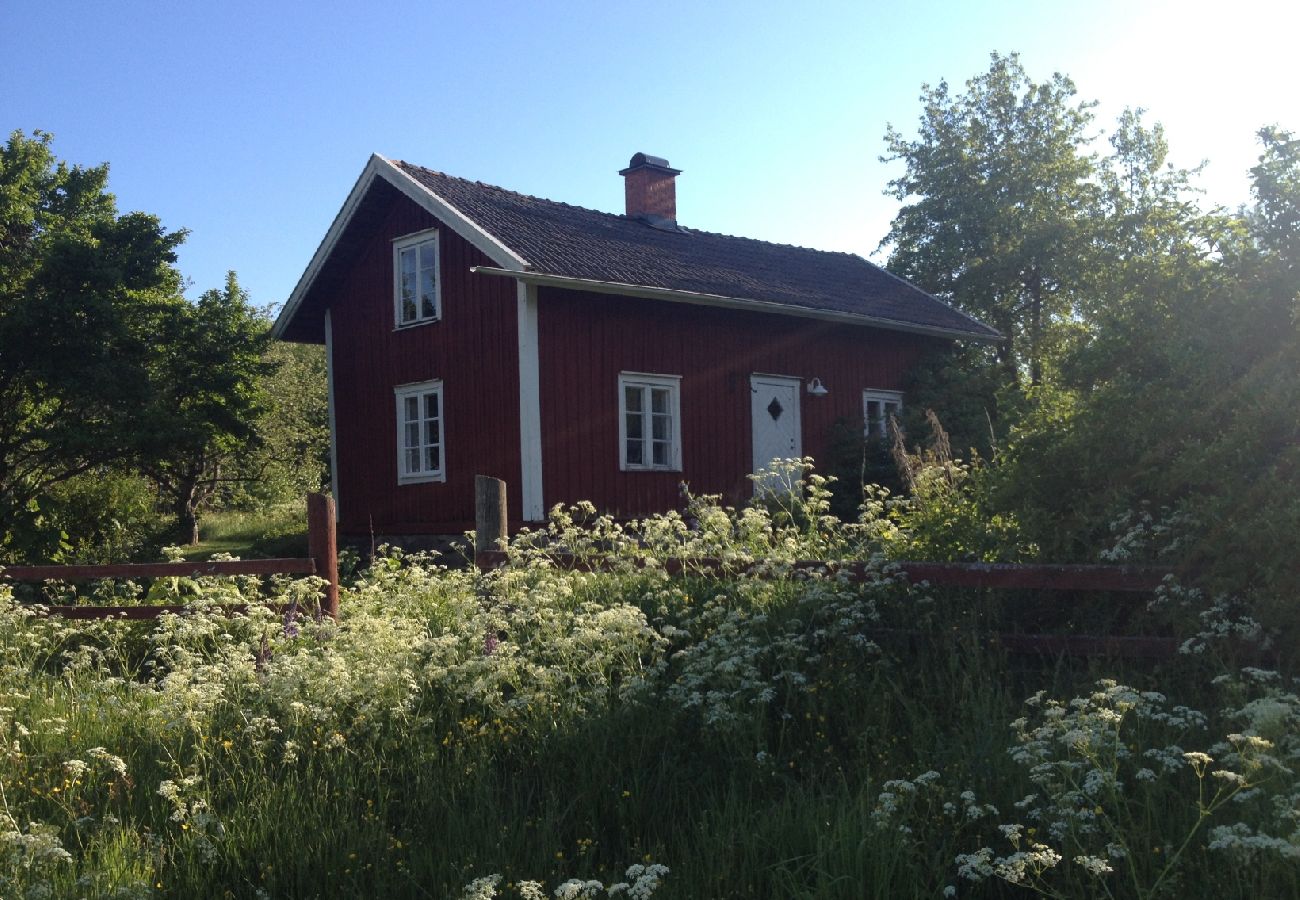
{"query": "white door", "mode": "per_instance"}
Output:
(774, 414)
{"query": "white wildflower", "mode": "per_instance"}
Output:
(484, 888)
(1093, 865)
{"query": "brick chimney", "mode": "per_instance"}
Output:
(650, 186)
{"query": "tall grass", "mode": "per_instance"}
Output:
(540, 725)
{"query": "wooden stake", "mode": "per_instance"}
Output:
(489, 515)
(323, 547)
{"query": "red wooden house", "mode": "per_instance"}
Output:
(579, 354)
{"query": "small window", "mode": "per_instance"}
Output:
(415, 279)
(649, 422)
(419, 432)
(877, 407)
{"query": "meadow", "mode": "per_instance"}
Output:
(535, 732)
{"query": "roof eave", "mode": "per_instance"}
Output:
(719, 300)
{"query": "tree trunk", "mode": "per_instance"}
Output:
(1036, 332)
(185, 506)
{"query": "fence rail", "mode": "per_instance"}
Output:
(490, 532)
(322, 547)
(1119, 579)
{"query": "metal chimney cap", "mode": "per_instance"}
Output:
(646, 161)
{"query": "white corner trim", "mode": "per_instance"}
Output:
(379, 167)
(530, 406)
(334, 429)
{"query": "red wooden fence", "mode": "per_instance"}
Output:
(322, 560)
(491, 531)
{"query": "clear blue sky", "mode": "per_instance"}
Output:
(247, 122)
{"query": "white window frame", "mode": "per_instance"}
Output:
(405, 475)
(646, 382)
(414, 241)
(877, 428)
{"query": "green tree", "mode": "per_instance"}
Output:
(1188, 404)
(291, 454)
(83, 293)
(207, 395)
(999, 196)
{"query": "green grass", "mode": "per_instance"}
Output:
(278, 531)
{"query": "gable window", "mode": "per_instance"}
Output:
(649, 430)
(416, 291)
(419, 432)
(877, 407)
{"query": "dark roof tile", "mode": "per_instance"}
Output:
(560, 239)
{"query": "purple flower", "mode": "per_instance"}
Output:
(490, 644)
(291, 621)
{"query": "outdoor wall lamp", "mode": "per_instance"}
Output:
(816, 388)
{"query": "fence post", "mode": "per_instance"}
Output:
(323, 547)
(489, 516)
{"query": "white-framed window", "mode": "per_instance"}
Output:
(416, 288)
(877, 407)
(649, 422)
(420, 432)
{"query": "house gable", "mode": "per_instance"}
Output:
(302, 318)
(470, 352)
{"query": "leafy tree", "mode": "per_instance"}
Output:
(1161, 341)
(105, 369)
(207, 396)
(1192, 390)
(999, 192)
(83, 293)
(291, 454)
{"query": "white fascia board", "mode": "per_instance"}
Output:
(718, 300)
(456, 220)
(326, 247)
(379, 167)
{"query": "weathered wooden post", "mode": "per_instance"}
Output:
(489, 518)
(323, 547)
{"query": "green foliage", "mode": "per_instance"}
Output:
(1160, 339)
(997, 197)
(967, 391)
(1186, 401)
(106, 369)
(107, 516)
(83, 293)
(290, 456)
(949, 512)
(854, 462)
(208, 394)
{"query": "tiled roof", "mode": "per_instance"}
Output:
(569, 241)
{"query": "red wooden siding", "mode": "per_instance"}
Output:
(586, 340)
(473, 349)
